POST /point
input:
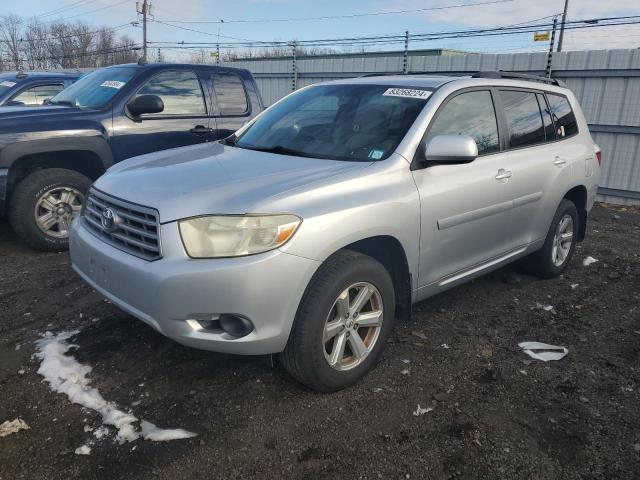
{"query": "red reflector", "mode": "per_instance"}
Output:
(599, 157)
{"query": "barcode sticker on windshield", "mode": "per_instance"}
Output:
(7, 83)
(407, 93)
(113, 84)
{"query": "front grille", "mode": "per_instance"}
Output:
(133, 229)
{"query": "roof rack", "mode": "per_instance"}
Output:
(519, 76)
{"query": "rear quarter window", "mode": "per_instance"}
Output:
(563, 117)
(230, 95)
(523, 117)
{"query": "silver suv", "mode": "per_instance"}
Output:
(313, 228)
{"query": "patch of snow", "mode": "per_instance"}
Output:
(421, 411)
(83, 450)
(101, 432)
(65, 374)
(405, 371)
(405, 360)
(546, 308)
(445, 346)
(150, 432)
(588, 261)
(574, 286)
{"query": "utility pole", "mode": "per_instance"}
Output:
(564, 19)
(405, 63)
(553, 38)
(145, 11)
(294, 68)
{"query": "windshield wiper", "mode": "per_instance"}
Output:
(65, 103)
(230, 140)
(280, 150)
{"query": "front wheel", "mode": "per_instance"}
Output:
(552, 259)
(343, 321)
(43, 205)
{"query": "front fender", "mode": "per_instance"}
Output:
(19, 145)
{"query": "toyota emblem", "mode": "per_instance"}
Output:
(108, 218)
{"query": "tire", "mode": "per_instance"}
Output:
(307, 357)
(56, 184)
(541, 263)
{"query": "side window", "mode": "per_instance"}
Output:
(523, 116)
(36, 95)
(180, 92)
(563, 117)
(549, 131)
(470, 113)
(230, 95)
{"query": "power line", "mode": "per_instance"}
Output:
(203, 32)
(64, 8)
(334, 17)
(80, 34)
(88, 12)
(422, 37)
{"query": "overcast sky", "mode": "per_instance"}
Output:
(117, 12)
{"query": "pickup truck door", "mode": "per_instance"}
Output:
(184, 121)
(465, 208)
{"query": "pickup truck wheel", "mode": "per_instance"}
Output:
(552, 259)
(342, 323)
(44, 204)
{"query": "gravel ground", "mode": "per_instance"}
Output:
(496, 414)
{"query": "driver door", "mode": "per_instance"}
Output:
(465, 208)
(184, 120)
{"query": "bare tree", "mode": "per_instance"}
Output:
(10, 30)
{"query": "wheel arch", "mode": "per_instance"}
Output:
(388, 250)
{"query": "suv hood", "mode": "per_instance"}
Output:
(213, 178)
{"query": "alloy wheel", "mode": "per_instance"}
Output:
(353, 326)
(56, 208)
(562, 241)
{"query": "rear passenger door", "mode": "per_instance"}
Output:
(465, 209)
(537, 162)
(231, 106)
(184, 120)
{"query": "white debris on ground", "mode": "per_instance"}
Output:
(546, 308)
(574, 286)
(150, 432)
(13, 426)
(445, 346)
(543, 351)
(65, 374)
(421, 411)
(405, 371)
(83, 450)
(588, 261)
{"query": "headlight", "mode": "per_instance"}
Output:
(236, 235)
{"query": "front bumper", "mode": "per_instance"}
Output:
(264, 288)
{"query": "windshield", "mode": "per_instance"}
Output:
(340, 122)
(6, 84)
(95, 89)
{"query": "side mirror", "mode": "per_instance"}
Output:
(449, 148)
(145, 104)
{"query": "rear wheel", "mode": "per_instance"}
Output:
(43, 205)
(342, 323)
(552, 259)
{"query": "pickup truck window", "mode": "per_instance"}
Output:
(338, 122)
(38, 94)
(470, 113)
(95, 89)
(230, 95)
(180, 92)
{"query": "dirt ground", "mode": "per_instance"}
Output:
(496, 414)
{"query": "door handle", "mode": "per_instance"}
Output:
(559, 162)
(200, 130)
(503, 174)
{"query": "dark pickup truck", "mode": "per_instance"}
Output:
(50, 155)
(31, 89)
